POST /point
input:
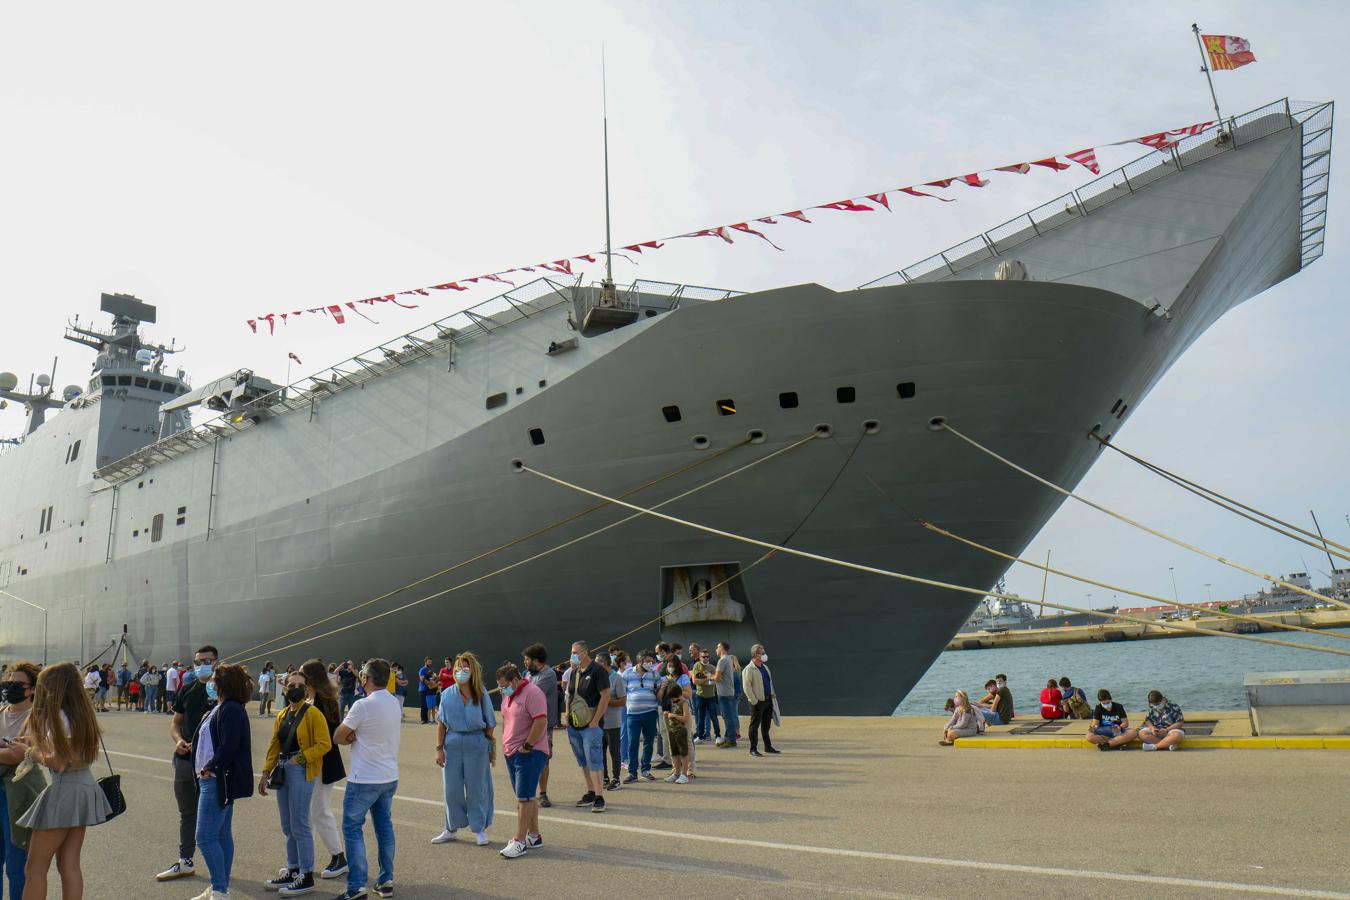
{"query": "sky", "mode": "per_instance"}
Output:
(280, 156)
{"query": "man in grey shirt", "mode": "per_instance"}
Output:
(724, 676)
(542, 676)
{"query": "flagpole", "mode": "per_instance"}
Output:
(1204, 67)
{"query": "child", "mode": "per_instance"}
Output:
(62, 733)
(677, 726)
(134, 695)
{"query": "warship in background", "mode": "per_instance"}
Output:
(123, 519)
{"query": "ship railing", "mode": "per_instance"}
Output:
(440, 338)
(1226, 137)
(643, 293)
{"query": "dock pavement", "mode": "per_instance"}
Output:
(865, 807)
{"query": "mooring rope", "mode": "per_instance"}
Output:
(1316, 541)
(916, 579)
(945, 426)
(1124, 590)
(529, 559)
(487, 553)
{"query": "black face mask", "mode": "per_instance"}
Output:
(295, 694)
(14, 693)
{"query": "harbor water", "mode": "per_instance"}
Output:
(1194, 672)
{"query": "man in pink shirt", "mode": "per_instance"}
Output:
(525, 744)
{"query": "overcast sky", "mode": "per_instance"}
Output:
(225, 162)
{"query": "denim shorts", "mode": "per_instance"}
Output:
(588, 746)
(525, 769)
(1108, 731)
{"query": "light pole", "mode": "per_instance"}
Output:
(41, 609)
(1172, 571)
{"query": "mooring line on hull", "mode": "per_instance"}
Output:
(943, 425)
(1321, 542)
(763, 558)
(915, 579)
(488, 553)
(529, 559)
(1124, 590)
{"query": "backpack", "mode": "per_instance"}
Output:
(1077, 705)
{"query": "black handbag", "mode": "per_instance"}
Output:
(111, 785)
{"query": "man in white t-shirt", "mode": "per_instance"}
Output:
(172, 677)
(371, 729)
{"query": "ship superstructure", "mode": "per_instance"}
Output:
(284, 505)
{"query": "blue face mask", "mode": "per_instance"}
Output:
(462, 676)
(211, 690)
(507, 690)
(576, 659)
(203, 670)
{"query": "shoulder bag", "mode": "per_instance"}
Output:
(111, 785)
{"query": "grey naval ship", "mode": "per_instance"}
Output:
(136, 507)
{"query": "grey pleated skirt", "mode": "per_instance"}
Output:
(71, 798)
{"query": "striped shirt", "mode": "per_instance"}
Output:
(641, 688)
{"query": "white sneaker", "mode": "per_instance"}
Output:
(204, 895)
(1150, 746)
(670, 779)
(444, 837)
(698, 740)
(1174, 747)
(483, 839)
(533, 840)
(683, 779)
(513, 849)
(181, 869)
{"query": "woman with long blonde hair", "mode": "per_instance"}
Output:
(62, 733)
(465, 751)
(966, 721)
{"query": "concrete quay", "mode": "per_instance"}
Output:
(1226, 730)
(1111, 631)
(868, 807)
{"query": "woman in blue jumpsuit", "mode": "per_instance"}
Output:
(466, 751)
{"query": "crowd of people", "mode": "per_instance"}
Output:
(1163, 729)
(624, 716)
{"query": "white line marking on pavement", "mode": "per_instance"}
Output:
(978, 865)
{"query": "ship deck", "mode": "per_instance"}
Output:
(862, 806)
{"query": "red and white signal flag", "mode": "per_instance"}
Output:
(1227, 52)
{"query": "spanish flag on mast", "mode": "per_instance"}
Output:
(1227, 52)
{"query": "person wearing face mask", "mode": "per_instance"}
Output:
(642, 706)
(17, 692)
(611, 746)
(222, 755)
(371, 728)
(724, 677)
(465, 750)
(1164, 725)
(319, 691)
(525, 743)
(300, 740)
(588, 699)
(542, 676)
(189, 708)
(758, 682)
(965, 721)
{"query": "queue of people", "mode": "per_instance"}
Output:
(610, 708)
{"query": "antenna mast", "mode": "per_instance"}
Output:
(607, 295)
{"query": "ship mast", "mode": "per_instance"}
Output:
(607, 294)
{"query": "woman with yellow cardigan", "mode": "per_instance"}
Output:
(300, 739)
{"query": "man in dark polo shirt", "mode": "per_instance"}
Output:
(588, 698)
(189, 708)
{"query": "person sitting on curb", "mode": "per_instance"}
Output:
(986, 704)
(965, 721)
(1110, 729)
(1164, 725)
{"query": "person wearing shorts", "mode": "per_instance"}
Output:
(588, 699)
(525, 742)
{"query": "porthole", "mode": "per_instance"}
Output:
(1121, 414)
(845, 394)
(700, 442)
(496, 400)
(787, 400)
(519, 390)
(543, 382)
(871, 426)
(905, 389)
(1115, 406)
(672, 413)
(536, 436)
(726, 407)
(755, 436)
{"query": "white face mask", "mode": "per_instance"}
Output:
(764, 657)
(1001, 684)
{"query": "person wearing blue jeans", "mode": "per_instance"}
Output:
(300, 740)
(641, 728)
(371, 728)
(18, 696)
(223, 761)
(378, 800)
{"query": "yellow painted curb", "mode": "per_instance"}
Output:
(1310, 742)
